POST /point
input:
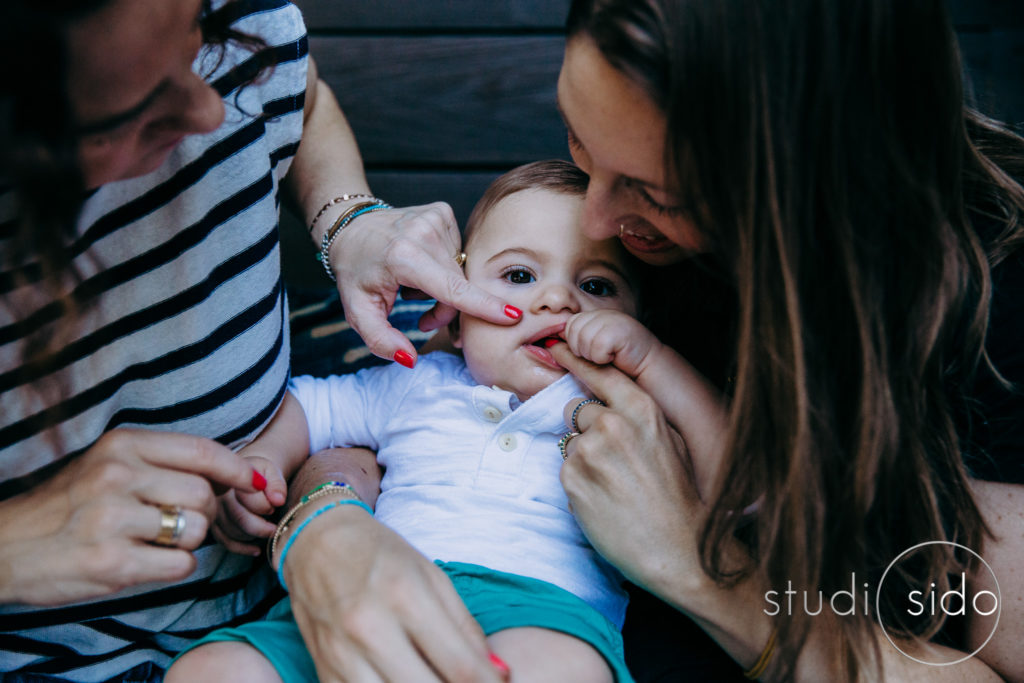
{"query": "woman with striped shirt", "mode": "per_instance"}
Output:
(143, 332)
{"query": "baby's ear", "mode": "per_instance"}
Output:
(455, 331)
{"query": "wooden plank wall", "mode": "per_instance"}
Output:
(444, 95)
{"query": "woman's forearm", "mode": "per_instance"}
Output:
(327, 163)
(699, 412)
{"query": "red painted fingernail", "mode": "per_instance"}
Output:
(499, 664)
(403, 358)
(259, 482)
(548, 343)
(513, 312)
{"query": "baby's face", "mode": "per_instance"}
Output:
(530, 252)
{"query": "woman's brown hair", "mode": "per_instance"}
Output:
(828, 157)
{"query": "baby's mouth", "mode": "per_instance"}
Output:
(546, 342)
(539, 345)
(548, 337)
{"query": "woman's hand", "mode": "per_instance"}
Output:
(380, 252)
(629, 480)
(89, 531)
(370, 607)
(415, 247)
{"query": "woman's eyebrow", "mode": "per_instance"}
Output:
(112, 122)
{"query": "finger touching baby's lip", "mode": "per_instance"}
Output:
(605, 382)
(565, 357)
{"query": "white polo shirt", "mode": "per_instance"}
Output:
(471, 472)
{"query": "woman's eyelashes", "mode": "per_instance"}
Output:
(574, 142)
(661, 208)
(657, 206)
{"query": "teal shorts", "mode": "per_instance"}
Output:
(496, 599)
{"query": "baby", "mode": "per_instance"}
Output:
(469, 445)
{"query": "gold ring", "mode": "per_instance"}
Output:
(576, 411)
(460, 259)
(564, 442)
(172, 525)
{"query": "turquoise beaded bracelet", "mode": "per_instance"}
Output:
(342, 222)
(298, 530)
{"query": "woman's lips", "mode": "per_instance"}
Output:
(645, 242)
(638, 235)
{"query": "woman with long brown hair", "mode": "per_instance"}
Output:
(861, 229)
(837, 240)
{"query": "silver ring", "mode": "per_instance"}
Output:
(172, 525)
(179, 527)
(564, 441)
(576, 411)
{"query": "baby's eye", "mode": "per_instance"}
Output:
(518, 275)
(598, 287)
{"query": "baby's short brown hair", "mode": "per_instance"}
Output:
(554, 175)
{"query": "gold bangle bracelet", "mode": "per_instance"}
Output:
(761, 665)
(319, 492)
(337, 200)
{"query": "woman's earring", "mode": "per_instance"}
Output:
(622, 229)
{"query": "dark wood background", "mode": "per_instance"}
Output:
(445, 95)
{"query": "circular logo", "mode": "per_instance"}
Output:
(985, 603)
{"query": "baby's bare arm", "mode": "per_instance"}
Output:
(275, 455)
(285, 441)
(690, 402)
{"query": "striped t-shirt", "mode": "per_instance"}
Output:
(188, 333)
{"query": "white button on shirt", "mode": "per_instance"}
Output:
(461, 488)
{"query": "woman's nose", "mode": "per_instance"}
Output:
(556, 297)
(598, 215)
(200, 107)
